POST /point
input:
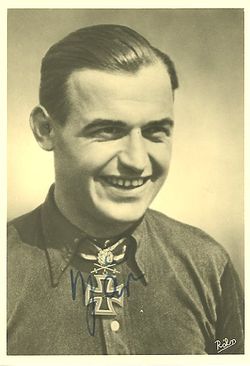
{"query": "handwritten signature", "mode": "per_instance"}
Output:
(222, 346)
(91, 306)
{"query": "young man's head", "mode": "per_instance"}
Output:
(106, 110)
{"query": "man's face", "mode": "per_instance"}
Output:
(112, 155)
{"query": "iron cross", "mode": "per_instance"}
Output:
(104, 295)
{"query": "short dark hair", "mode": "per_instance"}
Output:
(101, 47)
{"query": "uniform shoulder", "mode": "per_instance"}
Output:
(26, 256)
(26, 228)
(26, 218)
(187, 238)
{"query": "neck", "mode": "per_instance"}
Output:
(98, 228)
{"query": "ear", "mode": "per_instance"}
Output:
(42, 126)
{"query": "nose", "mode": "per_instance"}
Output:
(134, 155)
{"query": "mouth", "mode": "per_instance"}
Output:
(125, 182)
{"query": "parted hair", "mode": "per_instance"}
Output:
(106, 47)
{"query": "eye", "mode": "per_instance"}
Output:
(107, 133)
(157, 133)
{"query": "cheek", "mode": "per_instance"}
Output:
(160, 155)
(94, 157)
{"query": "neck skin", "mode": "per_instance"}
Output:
(89, 224)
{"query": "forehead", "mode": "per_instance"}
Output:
(95, 91)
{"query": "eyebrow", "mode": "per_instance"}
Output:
(168, 122)
(99, 122)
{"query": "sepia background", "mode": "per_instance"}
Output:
(205, 183)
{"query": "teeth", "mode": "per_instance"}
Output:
(135, 183)
(127, 183)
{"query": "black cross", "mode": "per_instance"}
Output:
(104, 295)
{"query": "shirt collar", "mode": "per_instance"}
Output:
(62, 239)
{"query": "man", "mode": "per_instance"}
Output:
(93, 270)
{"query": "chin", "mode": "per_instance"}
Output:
(124, 215)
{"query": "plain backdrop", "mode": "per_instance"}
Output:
(205, 183)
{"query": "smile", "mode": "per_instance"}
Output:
(126, 183)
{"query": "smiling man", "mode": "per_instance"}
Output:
(93, 270)
(112, 156)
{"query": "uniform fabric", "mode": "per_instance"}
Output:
(181, 290)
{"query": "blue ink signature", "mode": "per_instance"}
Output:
(90, 307)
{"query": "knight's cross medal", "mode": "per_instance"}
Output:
(104, 295)
(106, 291)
